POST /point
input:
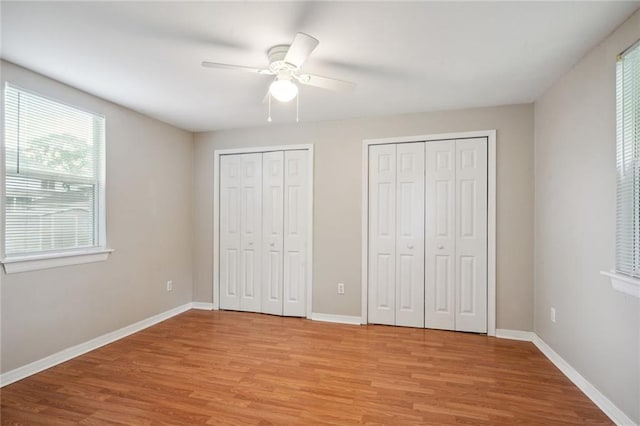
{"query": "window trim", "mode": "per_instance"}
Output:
(65, 257)
(623, 283)
(620, 281)
(16, 264)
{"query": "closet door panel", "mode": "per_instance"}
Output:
(296, 193)
(230, 251)
(272, 232)
(409, 288)
(440, 235)
(471, 235)
(382, 234)
(251, 233)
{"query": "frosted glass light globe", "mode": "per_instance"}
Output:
(283, 90)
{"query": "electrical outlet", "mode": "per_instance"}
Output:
(169, 285)
(340, 288)
(553, 314)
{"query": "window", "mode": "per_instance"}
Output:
(53, 177)
(628, 163)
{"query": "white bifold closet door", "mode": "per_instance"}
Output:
(382, 234)
(272, 231)
(440, 244)
(296, 202)
(456, 235)
(241, 232)
(428, 234)
(263, 232)
(471, 235)
(396, 221)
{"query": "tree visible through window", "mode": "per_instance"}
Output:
(53, 175)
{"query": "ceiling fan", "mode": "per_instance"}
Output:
(285, 63)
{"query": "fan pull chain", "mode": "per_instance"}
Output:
(298, 108)
(269, 117)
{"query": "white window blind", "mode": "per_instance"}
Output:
(54, 176)
(628, 162)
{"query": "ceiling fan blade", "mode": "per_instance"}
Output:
(208, 64)
(326, 83)
(302, 46)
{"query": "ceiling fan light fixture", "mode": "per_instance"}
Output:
(283, 90)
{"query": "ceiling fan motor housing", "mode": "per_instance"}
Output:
(277, 65)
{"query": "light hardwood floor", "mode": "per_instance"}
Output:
(242, 368)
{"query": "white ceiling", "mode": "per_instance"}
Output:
(405, 56)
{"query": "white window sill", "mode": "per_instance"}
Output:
(16, 264)
(624, 283)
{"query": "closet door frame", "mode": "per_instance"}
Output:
(491, 213)
(215, 303)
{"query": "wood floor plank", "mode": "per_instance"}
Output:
(239, 368)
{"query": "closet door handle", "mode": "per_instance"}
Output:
(250, 243)
(272, 244)
(440, 247)
(410, 246)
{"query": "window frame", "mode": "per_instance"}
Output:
(58, 257)
(620, 280)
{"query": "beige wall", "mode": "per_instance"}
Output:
(337, 203)
(149, 199)
(597, 329)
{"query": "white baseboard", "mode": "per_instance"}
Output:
(526, 336)
(608, 407)
(604, 403)
(205, 306)
(74, 351)
(341, 319)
